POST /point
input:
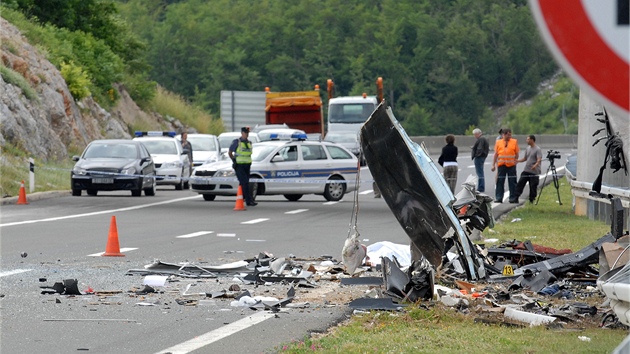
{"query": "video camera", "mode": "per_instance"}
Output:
(553, 154)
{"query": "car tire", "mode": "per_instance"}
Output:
(180, 185)
(293, 197)
(76, 192)
(209, 197)
(150, 192)
(92, 192)
(334, 191)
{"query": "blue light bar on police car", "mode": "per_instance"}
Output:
(154, 133)
(287, 136)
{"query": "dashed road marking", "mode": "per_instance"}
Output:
(225, 235)
(121, 251)
(195, 234)
(255, 240)
(13, 272)
(296, 211)
(332, 203)
(255, 221)
(367, 192)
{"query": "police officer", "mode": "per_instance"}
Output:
(241, 154)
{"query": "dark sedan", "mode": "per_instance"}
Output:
(111, 165)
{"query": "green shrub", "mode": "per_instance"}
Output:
(14, 78)
(77, 80)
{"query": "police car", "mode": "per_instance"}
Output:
(280, 167)
(172, 165)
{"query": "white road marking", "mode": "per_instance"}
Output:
(332, 203)
(255, 221)
(122, 250)
(12, 272)
(296, 211)
(255, 240)
(98, 212)
(218, 334)
(367, 191)
(226, 235)
(195, 234)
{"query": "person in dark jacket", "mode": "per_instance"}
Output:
(448, 160)
(479, 154)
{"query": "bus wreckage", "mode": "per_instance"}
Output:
(439, 224)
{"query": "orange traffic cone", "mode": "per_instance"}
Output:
(239, 200)
(22, 196)
(113, 247)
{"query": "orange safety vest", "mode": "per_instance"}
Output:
(506, 153)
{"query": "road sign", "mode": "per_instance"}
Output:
(591, 41)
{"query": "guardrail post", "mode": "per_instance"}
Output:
(31, 175)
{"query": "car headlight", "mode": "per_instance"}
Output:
(172, 164)
(79, 171)
(128, 171)
(225, 173)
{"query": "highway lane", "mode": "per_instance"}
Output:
(60, 234)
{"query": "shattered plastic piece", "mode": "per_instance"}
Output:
(584, 338)
(527, 317)
(72, 287)
(147, 289)
(155, 280)
(533, 282)
(516, 220)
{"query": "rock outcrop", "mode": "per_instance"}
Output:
(49, 123)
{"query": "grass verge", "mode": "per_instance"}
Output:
(14, 168)
(430, 327)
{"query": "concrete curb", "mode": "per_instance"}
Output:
(36, 196)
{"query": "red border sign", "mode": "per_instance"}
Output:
(582, 52)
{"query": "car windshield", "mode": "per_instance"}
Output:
(202, 144)
(157, 147)
(341, 138)
(226, 140)
(118, 151)
(260, 152)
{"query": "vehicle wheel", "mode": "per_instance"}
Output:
(209, 197)
(293, 197)
(92, 192)
(150, 192)
(334, 191)
(187, 185)
(76, 192)
(136, 192)
(180, 185)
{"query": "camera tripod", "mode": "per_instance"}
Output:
(554, 174)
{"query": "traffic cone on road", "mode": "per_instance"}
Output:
(239, 200)
(113, 247)
(22, 195)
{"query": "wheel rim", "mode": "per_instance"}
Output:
(335, 190)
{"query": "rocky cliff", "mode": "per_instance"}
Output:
(46, 125)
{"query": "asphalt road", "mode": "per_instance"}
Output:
(63, 236)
